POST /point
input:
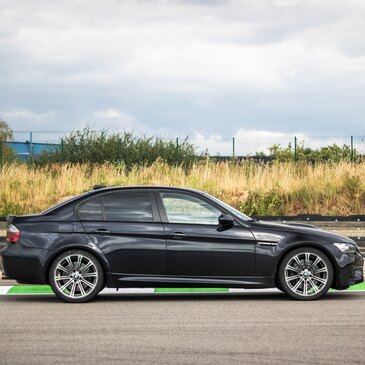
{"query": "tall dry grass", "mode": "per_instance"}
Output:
(256, 189)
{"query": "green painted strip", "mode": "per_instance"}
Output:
(30, 289)
(191, 290)
(360, 286)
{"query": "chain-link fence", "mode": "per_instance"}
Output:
(252, 144)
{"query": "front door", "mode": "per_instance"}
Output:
(197, 245)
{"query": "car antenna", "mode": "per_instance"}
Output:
(96, 187)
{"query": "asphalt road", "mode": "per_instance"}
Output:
(184, 329)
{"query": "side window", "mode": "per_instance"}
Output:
(91, 210)
(183, 208)
(128, 207)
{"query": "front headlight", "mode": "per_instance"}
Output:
(346, 247)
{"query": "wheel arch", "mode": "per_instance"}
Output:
(311, 245)
(98, 255)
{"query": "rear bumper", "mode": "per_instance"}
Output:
(23, 263)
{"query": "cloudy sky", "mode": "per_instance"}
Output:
(260, 70)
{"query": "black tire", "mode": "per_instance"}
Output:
(305, 274)
(82, 272)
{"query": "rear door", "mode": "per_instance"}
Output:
(126, 226)
(197, 245)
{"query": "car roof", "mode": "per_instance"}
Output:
(116, 188)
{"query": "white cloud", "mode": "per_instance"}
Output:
(250, 141)
(78, 56)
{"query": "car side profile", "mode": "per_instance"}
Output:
(150, 236)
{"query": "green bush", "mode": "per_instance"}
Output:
(88, 146)
(330, 154)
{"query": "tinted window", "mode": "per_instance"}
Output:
(91, 210)
(181, 208)
(128, 207)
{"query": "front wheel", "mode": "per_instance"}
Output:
(76, 276)
(305, 274)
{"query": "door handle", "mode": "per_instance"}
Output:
(178, 235)
(101, 231)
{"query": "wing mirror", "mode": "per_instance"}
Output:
(225, 220)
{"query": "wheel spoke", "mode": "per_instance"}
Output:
(69, 261)
(307, 258)
(290, 278)
(316, 261)
(298, 261)
(292, 268)
(82, 290)
(321, 280)
(296, 286)
(78, 264)
(63, 287)
(62, 268)
(313, 286)
(305, 288)
(73, 288)
(90, 275)
(91, 285)
(323, 269)
(59, 278)
(88, 265)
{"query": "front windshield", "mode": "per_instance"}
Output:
(235, 211)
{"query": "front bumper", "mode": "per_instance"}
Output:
(350, 274)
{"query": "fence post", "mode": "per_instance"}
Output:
(30, 146)
(1, 154)
(177, 151)
(352, 148)
(233, 147)
(62, 151)
(120, 150)
(295, 149)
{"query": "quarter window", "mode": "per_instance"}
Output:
(91, 210)
(182, 208)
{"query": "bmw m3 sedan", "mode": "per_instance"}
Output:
(149, 236)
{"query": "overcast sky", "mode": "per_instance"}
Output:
(264, 69)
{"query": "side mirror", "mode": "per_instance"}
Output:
(225, 220)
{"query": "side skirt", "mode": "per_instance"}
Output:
(149, 281)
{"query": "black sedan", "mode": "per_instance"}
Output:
(171, 237)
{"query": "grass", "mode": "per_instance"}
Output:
(256, 189)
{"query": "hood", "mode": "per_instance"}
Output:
(300, 228)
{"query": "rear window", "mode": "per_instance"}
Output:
(118, 206)
(128, 207)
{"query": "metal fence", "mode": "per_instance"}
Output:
(251, 144)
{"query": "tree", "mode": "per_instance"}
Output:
(6, 135)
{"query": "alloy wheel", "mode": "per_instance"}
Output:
(306, 274)
(76, 276)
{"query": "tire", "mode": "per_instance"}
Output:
(305, 274)
(76, 276)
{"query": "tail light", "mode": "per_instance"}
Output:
(13, 234)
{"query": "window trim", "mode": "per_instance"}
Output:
(155, 213)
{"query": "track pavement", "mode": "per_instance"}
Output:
(235, 328)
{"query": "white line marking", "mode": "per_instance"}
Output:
(4, 289)
(112, 291)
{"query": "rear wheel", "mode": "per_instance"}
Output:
(76, 276)
(305, 274)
